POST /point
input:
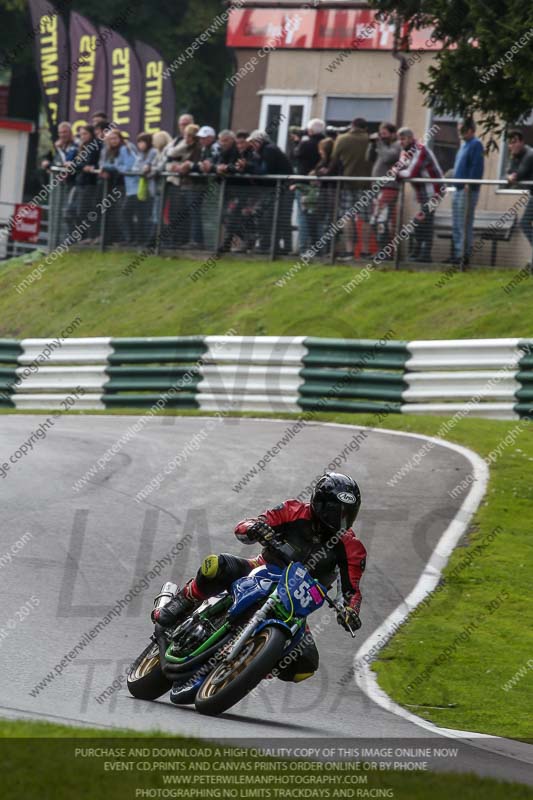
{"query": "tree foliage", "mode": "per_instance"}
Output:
(477, 72)
(169, 27)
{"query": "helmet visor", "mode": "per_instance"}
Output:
(335, 515)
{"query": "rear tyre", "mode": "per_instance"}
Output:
(232, 681)
(145, 678)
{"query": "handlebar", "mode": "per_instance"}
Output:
(287, 554)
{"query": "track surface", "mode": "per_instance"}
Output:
(88, 548)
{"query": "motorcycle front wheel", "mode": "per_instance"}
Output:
(231, 681)
(145, 678)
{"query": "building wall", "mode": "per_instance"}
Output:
(371, 74)
(246, 100)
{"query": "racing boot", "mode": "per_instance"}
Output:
(177, 609)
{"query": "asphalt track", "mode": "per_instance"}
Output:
(88, 548)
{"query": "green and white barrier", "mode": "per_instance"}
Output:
(481, 377)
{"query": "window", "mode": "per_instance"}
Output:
(445, 142)
(341, 111)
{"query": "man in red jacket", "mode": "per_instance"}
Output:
(418, 161)
(320, 533)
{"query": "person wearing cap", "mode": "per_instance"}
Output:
(209, 151)
(271, 160)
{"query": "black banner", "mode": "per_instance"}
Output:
(52, 56)
(88, 74)
(124, 83)
(159, 99)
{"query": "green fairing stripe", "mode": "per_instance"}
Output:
(360, 353)
(164, 349)
(204, 646)
(185, 378)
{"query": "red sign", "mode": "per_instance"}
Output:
(26, 223)
(315, 29)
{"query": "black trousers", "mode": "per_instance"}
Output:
(216, 575)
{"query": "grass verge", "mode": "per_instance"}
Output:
(57, 770)
(160, 298)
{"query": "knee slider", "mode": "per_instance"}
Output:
(210, 566)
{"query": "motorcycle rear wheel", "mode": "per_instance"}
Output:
(145, 678)
(232, 681)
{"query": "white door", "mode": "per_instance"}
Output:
(280, 112)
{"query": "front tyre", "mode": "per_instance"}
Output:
(145, 678)
(231, 681)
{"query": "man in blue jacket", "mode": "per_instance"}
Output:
(468, 164)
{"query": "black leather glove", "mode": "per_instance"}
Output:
(348, 618)
(261, 531)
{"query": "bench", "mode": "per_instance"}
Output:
(484, 228)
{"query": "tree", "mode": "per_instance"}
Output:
(485, 67)
(169, 27)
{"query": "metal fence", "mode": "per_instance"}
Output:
(372, 220)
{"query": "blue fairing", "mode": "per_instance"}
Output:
(299, 592)
(185, 694)
(253, 588)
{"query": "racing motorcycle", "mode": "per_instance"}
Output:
(234, 640)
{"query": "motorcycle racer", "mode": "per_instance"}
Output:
(320, 534)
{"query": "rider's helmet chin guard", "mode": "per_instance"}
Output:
(335, 503)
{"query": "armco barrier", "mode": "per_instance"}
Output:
(480, 377)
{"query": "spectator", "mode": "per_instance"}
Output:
(146, 187)
(183, 157)
(349, 158)
(99, 118)
(86, 171)
(100, 131)
(247, 196)
(295, 136)
(65, 148)
(118, 159)
(271, 160)
(246, 151)
(160, 140)
(326, 189)
(468, 164)
(383, 153)
(209, 150)
(176, 206)
(194, 191)
(418, 161)
(521, 169)
(64, 155)
(307, 157)
(225, 166)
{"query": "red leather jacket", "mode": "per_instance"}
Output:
(294, 521)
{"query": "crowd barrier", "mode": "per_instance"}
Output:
(479, 377)
(375, 220)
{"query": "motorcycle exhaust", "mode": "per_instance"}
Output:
(167, 592)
